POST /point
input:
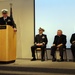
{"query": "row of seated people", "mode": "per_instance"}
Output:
(59, 42)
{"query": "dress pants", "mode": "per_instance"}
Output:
(53, 51)
(33, 48)
(73, 51)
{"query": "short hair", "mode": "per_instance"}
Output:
(60, 30)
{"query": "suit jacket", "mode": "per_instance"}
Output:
(72, 38)
(60, 40)
(41, 39)
(8, 21)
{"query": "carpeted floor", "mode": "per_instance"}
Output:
(27, 67)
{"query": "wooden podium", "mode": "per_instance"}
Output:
(7, 44)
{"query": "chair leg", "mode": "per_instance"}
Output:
(46, 55)
(37, 54)
(66, 55)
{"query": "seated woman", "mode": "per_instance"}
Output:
(40, 42)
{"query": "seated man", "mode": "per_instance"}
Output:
(72, 40)
(59, 42)
(40, 42)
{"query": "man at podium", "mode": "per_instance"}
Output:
(7, 38)
(6, 20)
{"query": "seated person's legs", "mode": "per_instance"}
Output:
(73, 51)
(33, 48)
(61, 52)
(42, 52)
(53, 50)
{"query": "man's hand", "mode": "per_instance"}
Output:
(53, 44)
(73, 42)
(59, 45)
(15, 30)
(39, 44)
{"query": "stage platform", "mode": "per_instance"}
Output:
(27, 67)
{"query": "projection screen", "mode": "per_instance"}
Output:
(53, 15)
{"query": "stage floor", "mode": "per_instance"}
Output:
(27, 67)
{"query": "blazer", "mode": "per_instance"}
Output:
(60, 40)
(8, 21)
(72, 38)
(41, 39)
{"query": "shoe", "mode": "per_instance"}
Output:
(73, 60)
(42, 59)
(53, 59)
(61, 60)
(34, 59)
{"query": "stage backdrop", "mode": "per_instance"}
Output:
(23, 13)
(53, 15)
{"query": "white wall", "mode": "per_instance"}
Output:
(23, 13)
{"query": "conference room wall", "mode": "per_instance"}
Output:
(23, 13)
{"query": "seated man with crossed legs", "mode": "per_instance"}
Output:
(59, 42)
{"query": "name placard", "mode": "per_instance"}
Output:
(2, 26)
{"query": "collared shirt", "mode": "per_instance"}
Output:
(40, 34)
(4, 18)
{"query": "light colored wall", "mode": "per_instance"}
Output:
(23, 13)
